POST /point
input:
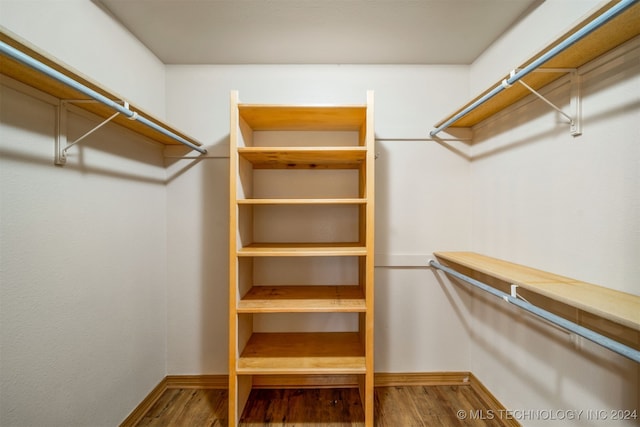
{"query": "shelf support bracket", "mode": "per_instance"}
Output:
(575, 119)
(61, 142)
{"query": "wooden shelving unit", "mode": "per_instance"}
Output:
(617, 31)
(332, 222)
(30, 77)
(612, 313)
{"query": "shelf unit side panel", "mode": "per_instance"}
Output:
(244, 227)
(245, 134)
(245, 277)
(367, 318)
(235, 389)
(244, 178)
(244, 334)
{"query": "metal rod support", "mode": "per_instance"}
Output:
(45, 69)
(592, 336)
(572, 39)
(64, 150)
(549, 103)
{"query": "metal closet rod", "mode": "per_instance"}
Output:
(517, 75)
(595, 337)
(132, 115)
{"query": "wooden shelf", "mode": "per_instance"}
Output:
(609, 304)
(303, 353)
(308, 118)
(345, 201)
(301, 299)
(27, 75)
(304, 157)
(620, 29)
(302, 249)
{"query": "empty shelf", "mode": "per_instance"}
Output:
(310, 353)
(345, 201)
(303, 249)
(292, 299)
(276, 117)
(304, 157)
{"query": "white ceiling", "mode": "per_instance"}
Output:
(318, 31)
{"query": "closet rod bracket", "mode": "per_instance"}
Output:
(575, 105)
(61, 142)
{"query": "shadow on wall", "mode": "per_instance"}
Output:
(382, 330)
(508, 322)
(137, 157)
(214, 249)
(602, 76)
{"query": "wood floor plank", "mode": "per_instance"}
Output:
(308, 407)
(393, 408)
(163, 412)
(411, 406)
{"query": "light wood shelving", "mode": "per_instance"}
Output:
(303, 353)
(617, 31)
(303, 299)
(304, 157)
(344, 202)
(302, 249)
(616, 306)
(36, 79)
(351, 201)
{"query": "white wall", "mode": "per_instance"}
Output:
(83, 35)
(412, 180)
(83, 270)
(570, 206)
(538, 28)
(83, 247)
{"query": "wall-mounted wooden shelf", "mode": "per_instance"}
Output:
(618, 30)
(616, 306)
(36, 79)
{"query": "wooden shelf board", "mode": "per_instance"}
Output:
(345, 201)
(310, 353)
(302, 299)
(304, 157)
(619, 307)
(284, 117)
(302, 249)
(620, 29)
(24, 74)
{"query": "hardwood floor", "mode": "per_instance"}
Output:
(405, 406)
